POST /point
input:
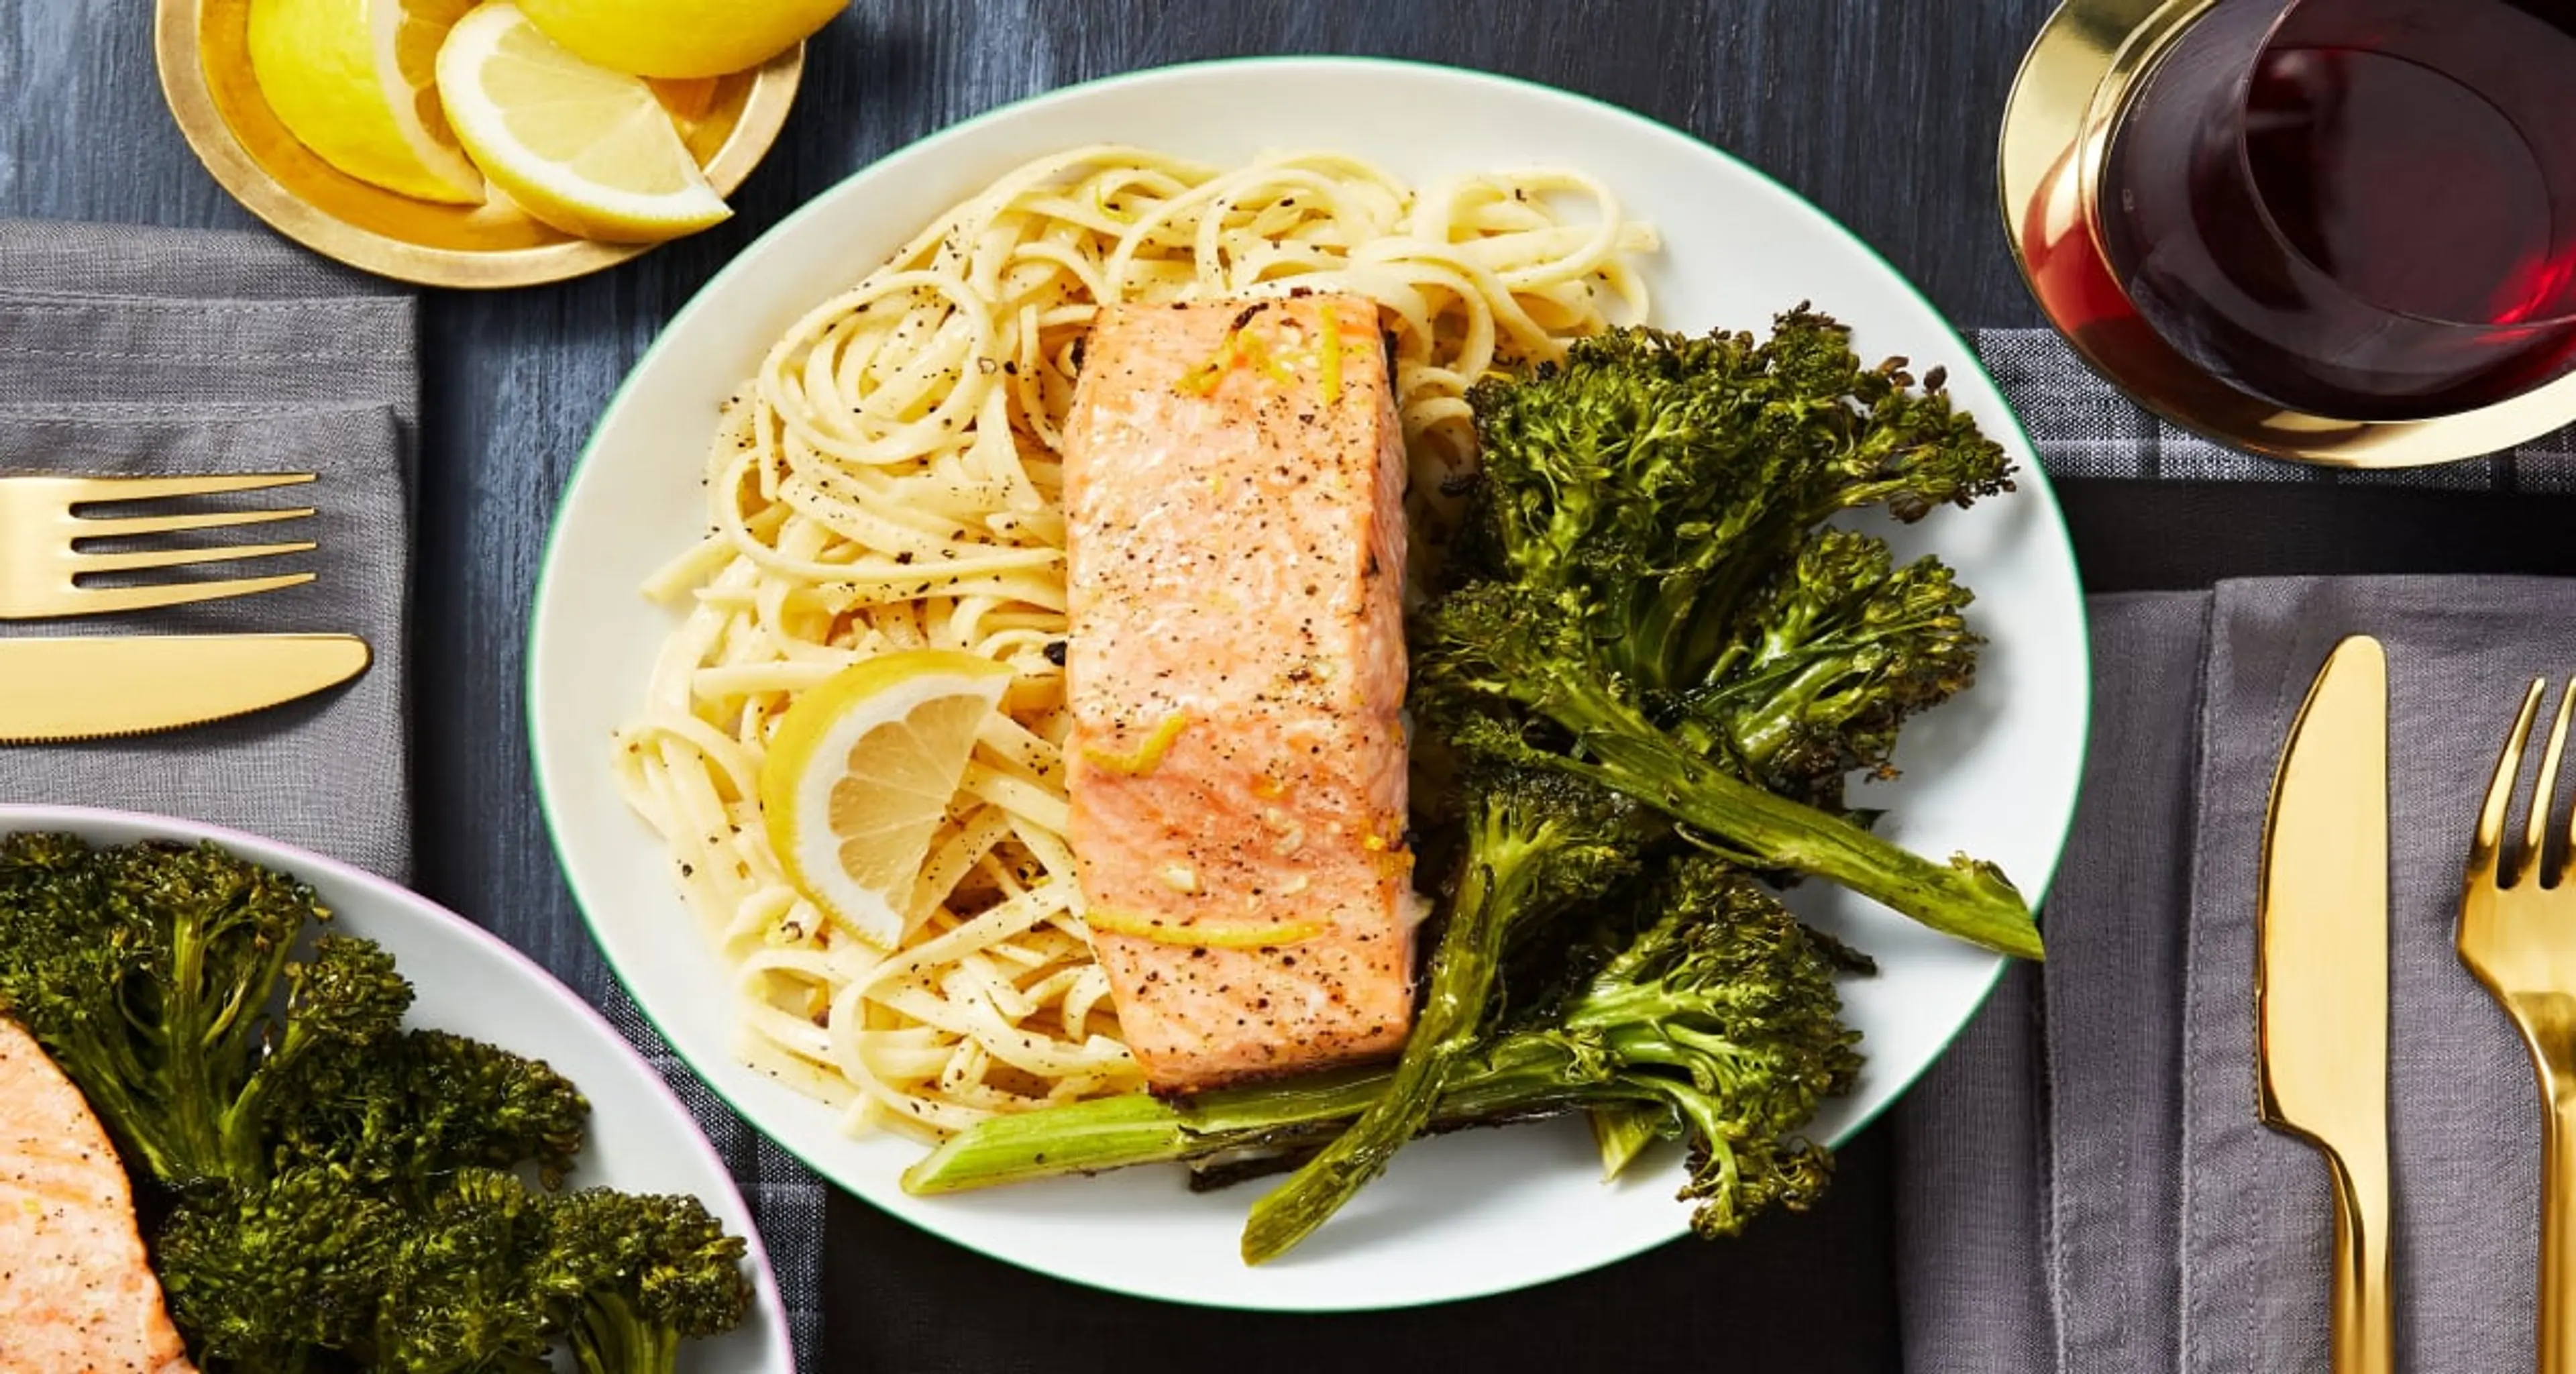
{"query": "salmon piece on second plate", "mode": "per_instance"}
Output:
(1234, 484)
(76, 1296)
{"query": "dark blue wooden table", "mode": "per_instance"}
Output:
(1881, 111)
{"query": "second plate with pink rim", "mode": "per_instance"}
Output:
(1478, 1213)
(642, 1140)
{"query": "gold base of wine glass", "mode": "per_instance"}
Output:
(2091, 56)
(204, 54)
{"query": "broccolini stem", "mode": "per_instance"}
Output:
(1114, 1132)
(1492, 892)
(612, 1337)
(1622, 1133)
(1524, 1076)
(192, 1143)
(243, 1063)
(1971, 900)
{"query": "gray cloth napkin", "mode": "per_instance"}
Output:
(2083, 1183)
(134, 351)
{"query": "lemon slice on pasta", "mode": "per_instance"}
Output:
(588, 150)
(862, 770)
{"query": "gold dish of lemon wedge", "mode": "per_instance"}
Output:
(439, 143)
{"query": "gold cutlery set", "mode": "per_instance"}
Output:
(2321, 981)
(97, 686)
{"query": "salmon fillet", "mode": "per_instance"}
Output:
(76, 1296)
(1234, 485)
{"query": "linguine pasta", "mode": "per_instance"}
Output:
(890, 479)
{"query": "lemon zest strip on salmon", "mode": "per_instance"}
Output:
(1147, 756)
(1243, 346)
(1332, 351)
(1255, 350)
(1164, 932)
(1207, 376)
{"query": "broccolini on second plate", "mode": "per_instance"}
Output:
(166, 980)
(344, 1193)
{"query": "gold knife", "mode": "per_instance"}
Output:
(102, 686)
(2321, 977)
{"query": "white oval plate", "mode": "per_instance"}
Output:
(641, 1139)
(1994, 774)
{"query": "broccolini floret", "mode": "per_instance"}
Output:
(164, 979)
(1644, 598)
(457, 1296)
(401, 1111)
(1722, 1011)
(267, 1278)
(1828, 658)
(628, 1278)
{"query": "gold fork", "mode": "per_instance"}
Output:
(43, 528)
(2518, 935)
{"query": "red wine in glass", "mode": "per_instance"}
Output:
(2362, 209)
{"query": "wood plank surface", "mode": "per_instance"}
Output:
(1881, 111)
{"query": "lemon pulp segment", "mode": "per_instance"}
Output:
(585, 149)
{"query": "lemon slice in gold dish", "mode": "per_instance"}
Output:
(861, 772)
(588, 150)
(354, 82)
(322, 194)
(680, 38)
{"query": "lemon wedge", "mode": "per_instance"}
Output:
(583, 148)
(681, 37)
(861, 771)
(355, 81)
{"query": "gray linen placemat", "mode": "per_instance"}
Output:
(2464, 1114)
(144, 351)
(327, 772)
(2083, 1184)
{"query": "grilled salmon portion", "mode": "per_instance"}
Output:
(76, 1296)
(1234, 485)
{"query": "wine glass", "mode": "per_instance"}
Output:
(2363, 209)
